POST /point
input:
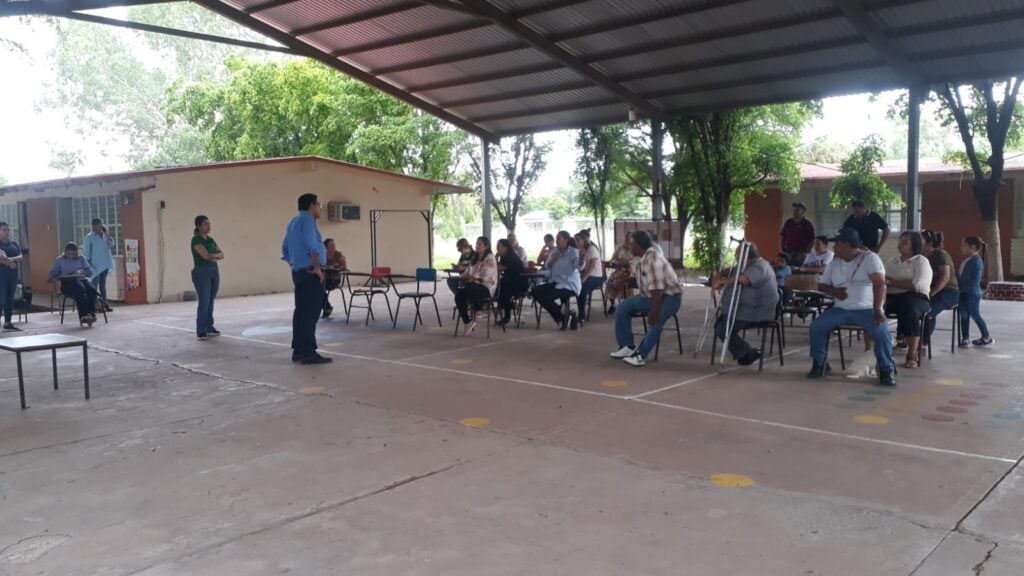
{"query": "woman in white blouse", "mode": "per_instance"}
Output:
(478, 284)
(908, 278)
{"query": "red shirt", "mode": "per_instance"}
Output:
(797, 236)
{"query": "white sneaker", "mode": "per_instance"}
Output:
(622, 352)
(634, 360)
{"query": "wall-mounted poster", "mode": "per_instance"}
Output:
(132, 272)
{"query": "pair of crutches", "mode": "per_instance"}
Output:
(734, 302)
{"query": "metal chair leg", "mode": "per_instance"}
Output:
(437, 311)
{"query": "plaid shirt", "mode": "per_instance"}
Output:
(655, 273)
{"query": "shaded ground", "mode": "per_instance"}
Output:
(530, 453)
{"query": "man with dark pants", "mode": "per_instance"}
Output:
(304, 250)
(758, 300)
(797, 235)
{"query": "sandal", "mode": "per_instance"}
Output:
(912, 362)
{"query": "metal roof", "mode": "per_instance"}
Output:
(500, 67)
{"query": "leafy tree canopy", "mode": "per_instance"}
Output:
(860, 179)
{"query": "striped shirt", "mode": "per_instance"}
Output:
(655, 273)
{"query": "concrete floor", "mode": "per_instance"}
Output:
(530, 453)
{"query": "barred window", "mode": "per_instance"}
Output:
(83, 210)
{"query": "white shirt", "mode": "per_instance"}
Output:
(521, 253)
(592, 254)
(855, 277)
(815, 260)
(916, 269)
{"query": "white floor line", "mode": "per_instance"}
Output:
(828, 432)
(639, 399)
(468, 348)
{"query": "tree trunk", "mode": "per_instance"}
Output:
(986, 193)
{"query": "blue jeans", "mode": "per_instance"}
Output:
(824, 325)
(970, 309)
(309, 301)
(8, 285)
(589, 285)
(101, 284)
(206, 279)
(942, 301)
(640, 304)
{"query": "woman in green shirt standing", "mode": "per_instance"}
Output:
(205, 276)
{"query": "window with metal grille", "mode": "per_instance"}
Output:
(83, 210)
(9, 212)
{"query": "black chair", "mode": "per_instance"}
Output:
(22, 301)
(57, 292)
(657, 347)
(567, 308)
(954, 332)
(423, 276)
(590, 300)
(489, 305)
(380, 283)
(765, 327)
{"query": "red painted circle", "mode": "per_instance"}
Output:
(963, 402)
(951, 409)
(974, 396)
(938, 417)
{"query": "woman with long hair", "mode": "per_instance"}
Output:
(908, 278)
(563, 267)
(591, 270)
(972, 269)
(478, 283)
(205, 276)
(512, 282)
(945, 290)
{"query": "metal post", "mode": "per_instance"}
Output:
(657, 171)
(485, 188)
(913, 153)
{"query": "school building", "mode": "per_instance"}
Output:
(947, 205)
(375, 216)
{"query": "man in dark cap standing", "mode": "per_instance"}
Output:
(797, 235)
(867, 223)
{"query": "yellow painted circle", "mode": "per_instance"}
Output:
(949, 382)
(475, 422)
(732, 480)
(311, 390)
(614, 383)
(461, 361)
(563, 341)
(870, 419)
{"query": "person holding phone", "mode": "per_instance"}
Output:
(98, 249)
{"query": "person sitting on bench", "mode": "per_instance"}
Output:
(74, 272)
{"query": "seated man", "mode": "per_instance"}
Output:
(758, 298)
(856, 279)
(332, 273)
(74, 272)
(660, 297)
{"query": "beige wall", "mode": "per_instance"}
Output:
(249, 208)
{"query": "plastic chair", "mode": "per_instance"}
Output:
(423, 276)
(379, 282)
(74, 305)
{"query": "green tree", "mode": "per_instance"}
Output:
(600, 153)
(825, 150)
(520, 162)
(860, 179)
(731, 154)
(989, 118)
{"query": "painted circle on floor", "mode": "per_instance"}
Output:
(973, 396)
(963, 402)
(870, 419)
(311, 390)
(732, 480)
(1000, 356)
(461, 361)
(475, 422)
(614, 383)
(938, 417)
(949, 382)
(861, 398)
(952, 409)
(1009, 416)
(878, 392)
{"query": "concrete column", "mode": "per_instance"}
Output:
(485, 173)
(913, 196)
(657, 173)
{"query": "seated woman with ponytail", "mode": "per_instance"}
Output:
(945, 290)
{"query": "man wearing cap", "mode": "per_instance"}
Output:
(867, 223)
(797, 235)
(856, 279)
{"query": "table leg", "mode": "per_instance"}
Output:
(54, 354)
(21, 382)
(85, 368)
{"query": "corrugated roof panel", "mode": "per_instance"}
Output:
(539, 81)
(425, 19)
(304, 13)
(965, 38)
(532, 102)
(604, 114)
(477, 38)
(472, 68)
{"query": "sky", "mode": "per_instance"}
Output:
(29, 134)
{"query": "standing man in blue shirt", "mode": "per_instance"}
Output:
(304, 250)
(98, 250)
